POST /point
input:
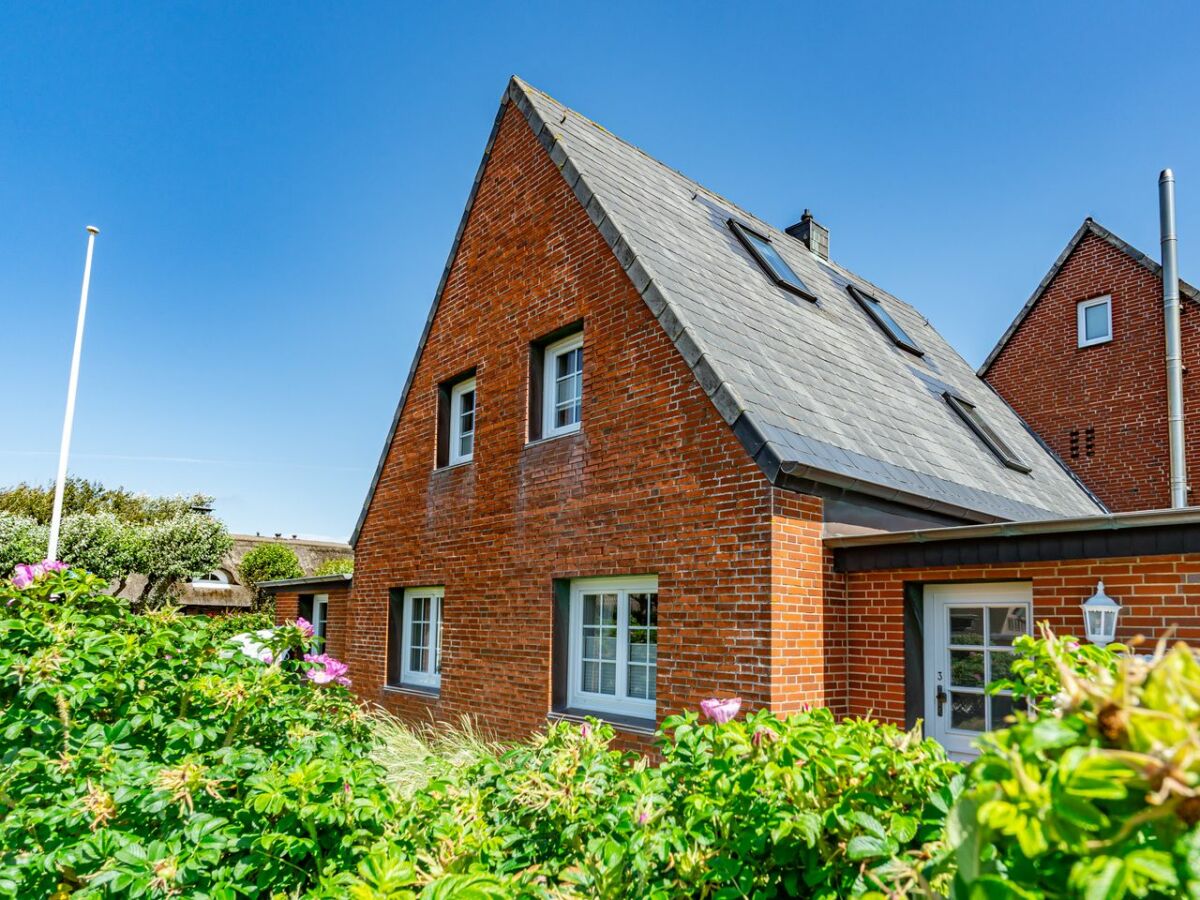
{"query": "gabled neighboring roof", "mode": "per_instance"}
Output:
(1089, 226)
(816, 393)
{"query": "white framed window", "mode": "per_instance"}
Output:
(613, 645)
(217, 578)
(320, 614)
(421, 648)
(462, 421)
(562, 386)
(1094, 319)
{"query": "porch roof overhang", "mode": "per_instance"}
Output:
(309, 581)
(1142, 533)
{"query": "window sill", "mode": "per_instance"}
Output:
(413, 690)
(627, 724)
(1083, 345)
(456, 465)
(554, 437)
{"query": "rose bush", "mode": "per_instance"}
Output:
(160, 755)
(758, 807)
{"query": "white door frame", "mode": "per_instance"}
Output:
(939, 600)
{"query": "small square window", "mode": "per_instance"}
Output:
(1094, 320)
(415, 627)
(884, 320)
(767, 256)
(556, 385)
(969, 413)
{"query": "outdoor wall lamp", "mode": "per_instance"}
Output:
(1100, 613)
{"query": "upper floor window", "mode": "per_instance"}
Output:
(415, 638)
(1094, 320)
(462, 421)
(613, 645)
(456, 420)
(767, 256)
(564, 385)
(975, 421)
(556, 383)
(884, 320)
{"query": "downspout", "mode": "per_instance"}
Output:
(1170, 277)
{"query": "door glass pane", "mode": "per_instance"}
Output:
(1006, 623)
(966, 626)
(1001, 664)
(1002, 708)
(967, 712)
(966, 668)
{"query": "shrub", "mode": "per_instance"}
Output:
(101, 544)
(803, 806)
(1097, 793)
(339, 565)
(269, 562)
(21, 539)
(150, 755)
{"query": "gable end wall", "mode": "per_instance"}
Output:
(1118, 388)
(655, 482)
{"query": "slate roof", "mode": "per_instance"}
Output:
(1089, 226)
(815, 392)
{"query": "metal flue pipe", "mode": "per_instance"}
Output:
(1170, 279)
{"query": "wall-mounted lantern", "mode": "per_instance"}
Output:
(1100, 613)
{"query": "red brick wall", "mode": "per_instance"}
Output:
(1156, 592)
(655, 481)
(337, 614)
(1117, 388)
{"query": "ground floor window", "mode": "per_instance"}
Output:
(613, 645)
(320, 614)
(416, 637)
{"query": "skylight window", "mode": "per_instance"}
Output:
(884, 320)
(995, 443)
(772, 263)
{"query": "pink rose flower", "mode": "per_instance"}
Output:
(332, 671)
(25, 574)
(305, 626)
(721, 711)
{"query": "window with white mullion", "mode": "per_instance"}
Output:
(614, 646)
(320, 614)
(422, 637)
(462, 421)
(563, 386)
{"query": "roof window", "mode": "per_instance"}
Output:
(970, 414)
(884, 320)
(772, 263)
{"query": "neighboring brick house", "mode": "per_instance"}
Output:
(641, 436)
(323, 600)
(1093, 333)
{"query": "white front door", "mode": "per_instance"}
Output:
(969, 631)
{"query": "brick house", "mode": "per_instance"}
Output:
(1093, 331)
(653, 448)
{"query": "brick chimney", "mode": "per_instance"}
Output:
(812, 234)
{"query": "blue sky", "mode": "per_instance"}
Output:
(278, 184)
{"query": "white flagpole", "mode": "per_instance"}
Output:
(69, 421)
